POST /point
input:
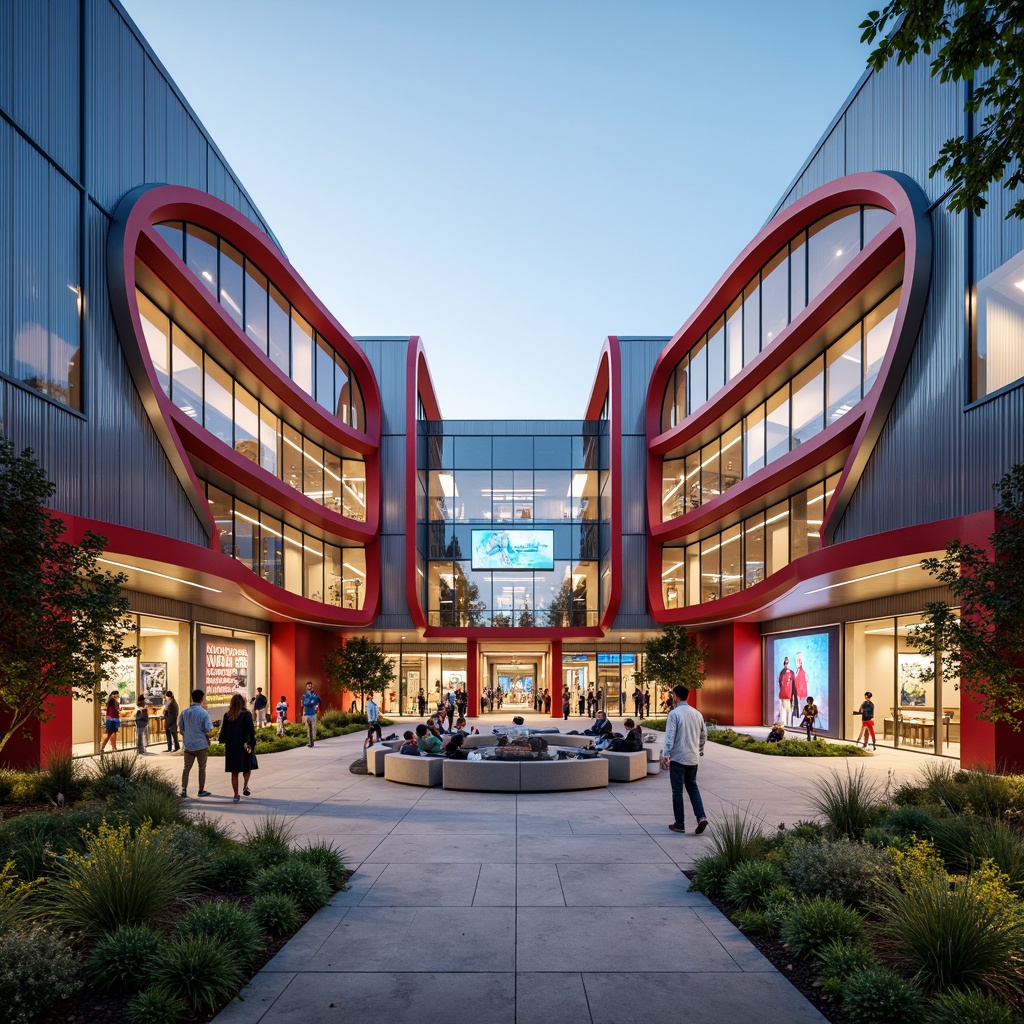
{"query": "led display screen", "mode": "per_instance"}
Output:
(513, 549)
(802, 665)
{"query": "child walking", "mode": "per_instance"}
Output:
(810, 715)
(282, 714)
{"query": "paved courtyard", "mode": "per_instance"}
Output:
(559, 908)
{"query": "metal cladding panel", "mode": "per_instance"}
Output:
(634, 575)
(392, 582)
(26, 96)
(155, 155)
(826, 165)
(637, 356)
(116, 81)
(392, 470)
(126, 477)
(859, 128)
(65, 80)
(932, 113)
(220, 182)
(6, 240)
(387, 356)
(634, 484)
(909, 603)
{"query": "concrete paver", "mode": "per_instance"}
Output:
(518, 908)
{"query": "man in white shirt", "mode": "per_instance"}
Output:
(685, 736)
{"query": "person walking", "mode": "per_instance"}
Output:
(810, 715)
(171, 721)
(259, 706)
(685, 736)
(581, 702)
(565, 705)
(867, 721)
(196, 728)
(238, 734)
(310, 710)
(373, 718)
(111, 721)
(282, 714)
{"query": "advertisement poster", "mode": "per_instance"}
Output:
(224, 666)
(153, 677)
(802, 665)
(513, 549)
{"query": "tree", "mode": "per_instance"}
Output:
(964, 39)
(65, 619)
(985, 643)
(359, 666)
(675, 658)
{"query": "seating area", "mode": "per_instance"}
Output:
(513, 776)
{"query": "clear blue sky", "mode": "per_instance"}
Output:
(513, 180)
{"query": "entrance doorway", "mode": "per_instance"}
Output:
(513, 687)
(574, 683)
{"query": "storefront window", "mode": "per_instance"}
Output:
(998, 328)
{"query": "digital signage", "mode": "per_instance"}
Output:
(802, 665)
(513, 549)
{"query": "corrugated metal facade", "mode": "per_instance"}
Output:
(898, 120)
(74, 74)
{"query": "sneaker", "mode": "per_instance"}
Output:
(676, 828)
(236, 798)
(204, 792)
(184, 793)
(701, 825)
(245, 792)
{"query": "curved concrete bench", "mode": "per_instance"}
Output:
(624, 766)
(525, 776)
(413, 771)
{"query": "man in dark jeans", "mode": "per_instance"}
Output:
(685, 736)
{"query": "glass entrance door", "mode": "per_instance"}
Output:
(514, 685)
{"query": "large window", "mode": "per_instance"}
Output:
(204, 390)
(999, 328)
(771, 300)
(813, 400)
(268, 320)
(744, 554)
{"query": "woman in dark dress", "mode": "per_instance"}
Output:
(171, 721)
(238, 735)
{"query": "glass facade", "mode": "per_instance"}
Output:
(286, 557)
(998, 329)
(204, 390)
(814, 399)
(267, 319)
(772, 299)
(747, 552)
(540, 492)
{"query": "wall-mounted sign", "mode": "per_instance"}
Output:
(224, 665)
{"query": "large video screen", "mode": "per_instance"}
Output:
(513, 549)
(802, 665)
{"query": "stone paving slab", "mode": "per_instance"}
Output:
(561, 908)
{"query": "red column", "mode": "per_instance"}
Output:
(32, 746)
(732, 690)
(297, 654)
(555, 678)
(472, 679)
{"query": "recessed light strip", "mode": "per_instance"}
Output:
(162, 575)
(860, 579)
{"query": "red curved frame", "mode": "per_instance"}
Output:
(843, 447)
(419, 386)
(133, 237)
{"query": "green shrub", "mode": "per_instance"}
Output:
(737, 836)
(838, 870)
(64, 775)
(155, 1006)
(970, 1006)
(336, 719)
(29, 838)
(956, 935)
(122, 878)
(812, 923)
(710, 873)
(15, 894)
(841, 959)
(228, 924)
(37, 968)
(156, 805)
(767, 921)
(785, 748)
(877, 995)
(231, 870)
(190, 844)
(275, 913)
(302, 882)
(270, 840)
(943, 783)
(750, 883)
(1005, 848)
(329, 860)
(122, 961)
(200, 972)
(991, 796)
(27, 788)
(217, 836)
(848, 803)
(911, 820)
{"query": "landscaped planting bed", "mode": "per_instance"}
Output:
(117, 905)
(892, 908)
